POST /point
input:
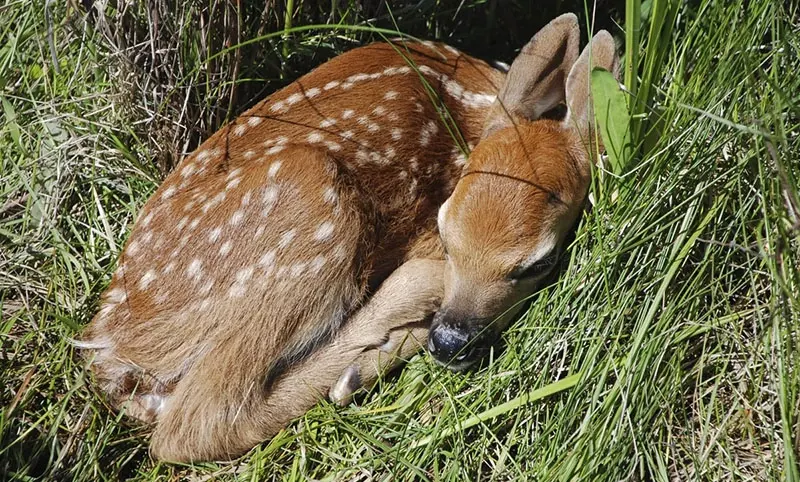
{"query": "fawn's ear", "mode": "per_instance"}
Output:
(601, 52)
(535, 82)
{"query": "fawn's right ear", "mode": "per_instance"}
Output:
(535, 82)
(601, 52)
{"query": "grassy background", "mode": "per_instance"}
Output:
(676, 310)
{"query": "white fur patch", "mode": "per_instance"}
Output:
(195, 269)
(146, 279)
(330, 196)
(273, 169)
(324, 231)
(286, 238)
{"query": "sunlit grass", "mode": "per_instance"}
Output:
(675, 314)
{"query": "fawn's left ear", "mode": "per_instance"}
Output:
(601, 52)
(535, 82)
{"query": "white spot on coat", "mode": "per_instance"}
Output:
(428, 130)
(133, 247)
(267, 259)
(237, 217)
(117, 295)
(146, 220)
(286, 238)
(324, 231)
(214, 235)
(317, 264)
(234, 173)
(273, 169)
(244, 274)
(330, 196)
(297, 269)
(168, 192)
(188, 169)
(206, 288)
(358, 77)
(233, 183)
(270, 199)
(195, 269)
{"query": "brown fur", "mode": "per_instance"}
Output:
(255, 279)
(524, 185)
(260, 244)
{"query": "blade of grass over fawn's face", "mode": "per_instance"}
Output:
(676, 303)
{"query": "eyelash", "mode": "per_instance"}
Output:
(538, 268)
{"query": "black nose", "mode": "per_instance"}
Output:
(449, 344)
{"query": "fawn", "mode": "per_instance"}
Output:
(336, 228)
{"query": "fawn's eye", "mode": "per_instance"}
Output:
(537, 269)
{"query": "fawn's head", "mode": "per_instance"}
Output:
(521, 191)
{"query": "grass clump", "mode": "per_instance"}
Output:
(675, 315)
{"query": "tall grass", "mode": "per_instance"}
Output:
(666, 349)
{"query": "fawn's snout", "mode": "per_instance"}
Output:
(472, 316)
(458, 342)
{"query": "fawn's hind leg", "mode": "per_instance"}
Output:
(192, 432)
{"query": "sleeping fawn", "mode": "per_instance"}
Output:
(336, 228)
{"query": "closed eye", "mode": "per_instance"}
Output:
(537, 269)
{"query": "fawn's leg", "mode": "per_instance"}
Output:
(402, 340)
(389, 329)
(402, 343)
(410, 295)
